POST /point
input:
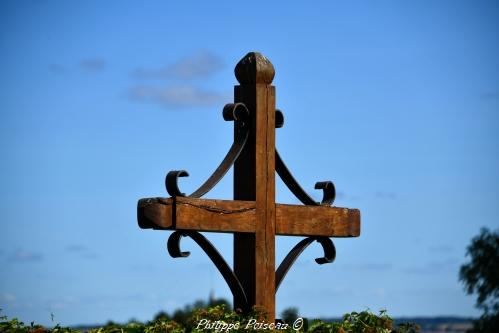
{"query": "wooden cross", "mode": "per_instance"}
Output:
(253, 216)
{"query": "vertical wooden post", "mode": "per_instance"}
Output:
(254, 179)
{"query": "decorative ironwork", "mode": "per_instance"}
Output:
(238, 113)
(228, 274)
(329, 256)
(327, 187)
(255, 218)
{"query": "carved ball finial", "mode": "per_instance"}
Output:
(254, 68)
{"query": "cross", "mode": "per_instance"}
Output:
(253, 216)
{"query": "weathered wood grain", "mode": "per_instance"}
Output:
(238, 216)
(265, 199)
(317, 221)
(197, 214)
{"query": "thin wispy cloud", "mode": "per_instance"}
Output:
(90, 255)
(61, 303)
(342, 195)
(379, 266)
(81, 250)
(78, 248)
(90, 65)
(433, 267)
(93, 64)
(22, 255)
(7, 298)
(440, 249)
(385, 195)
(199, 65)
(176, 96)
(490, 96)
(57, 69)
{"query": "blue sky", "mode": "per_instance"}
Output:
(397, 102)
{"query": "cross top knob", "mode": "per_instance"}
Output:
(254, 68)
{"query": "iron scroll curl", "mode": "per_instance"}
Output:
(230, 278)
(328, 196)
(327, 187)
(329, 256)
(237, 112)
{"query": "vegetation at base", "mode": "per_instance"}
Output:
(289, 315)
(355, 322)
(182, 316)
(480, 276)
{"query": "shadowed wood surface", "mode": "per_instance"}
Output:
(239, 216)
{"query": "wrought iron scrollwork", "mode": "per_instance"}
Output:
(228, 274)
(329, 256)
(327, 187)
(238, 113)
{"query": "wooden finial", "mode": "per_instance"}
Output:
(254, 68)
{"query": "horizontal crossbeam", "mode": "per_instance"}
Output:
(229, 216)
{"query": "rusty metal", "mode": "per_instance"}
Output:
(230, 278)
(238, 113)
(329, 256)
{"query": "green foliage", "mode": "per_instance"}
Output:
(219, 319)
(16, 326)
(183, 315)
(155, 326)
(289, 315)
(486, 324)
(363, 322)
(481, 276)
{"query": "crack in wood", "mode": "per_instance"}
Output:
(217, 209)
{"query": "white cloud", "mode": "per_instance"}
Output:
(200, 64)
(176, 96)
(8, 298)
(22, 255)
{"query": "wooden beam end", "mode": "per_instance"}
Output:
(154, 213)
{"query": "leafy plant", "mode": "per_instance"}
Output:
(363, 322)
(219, 319)
(289, 315)
(480, 276)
